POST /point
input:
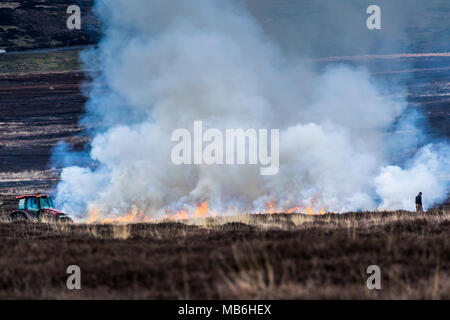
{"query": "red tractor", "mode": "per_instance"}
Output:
(38, 207)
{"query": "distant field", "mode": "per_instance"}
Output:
(40, 62)
(37, 110)
(247, 257)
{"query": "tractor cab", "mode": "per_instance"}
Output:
(35, 202)
(38, 207)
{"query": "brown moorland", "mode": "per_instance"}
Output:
(285, 256)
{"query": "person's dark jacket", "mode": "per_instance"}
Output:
(419, 199)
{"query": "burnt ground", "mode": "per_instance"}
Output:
(258, 257)
(36, 112)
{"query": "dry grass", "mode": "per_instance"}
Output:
(252, 256)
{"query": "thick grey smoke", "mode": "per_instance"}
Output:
(165, 64)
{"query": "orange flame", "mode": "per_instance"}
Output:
(200, 211)
(270, 207)
(180, 215)
(133, 216)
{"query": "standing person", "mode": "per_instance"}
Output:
(419, 207)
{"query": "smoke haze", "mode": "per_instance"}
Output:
(164, 64)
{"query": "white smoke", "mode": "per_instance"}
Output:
(165, 64)
(397, 186)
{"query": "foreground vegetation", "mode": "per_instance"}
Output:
(248, 257)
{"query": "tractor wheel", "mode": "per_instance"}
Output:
(65, 220)
(19, 216)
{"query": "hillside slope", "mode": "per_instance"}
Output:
(42, 24)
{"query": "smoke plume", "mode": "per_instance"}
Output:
(162, 65)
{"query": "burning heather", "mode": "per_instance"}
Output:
(200, 211)
(163, 66)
